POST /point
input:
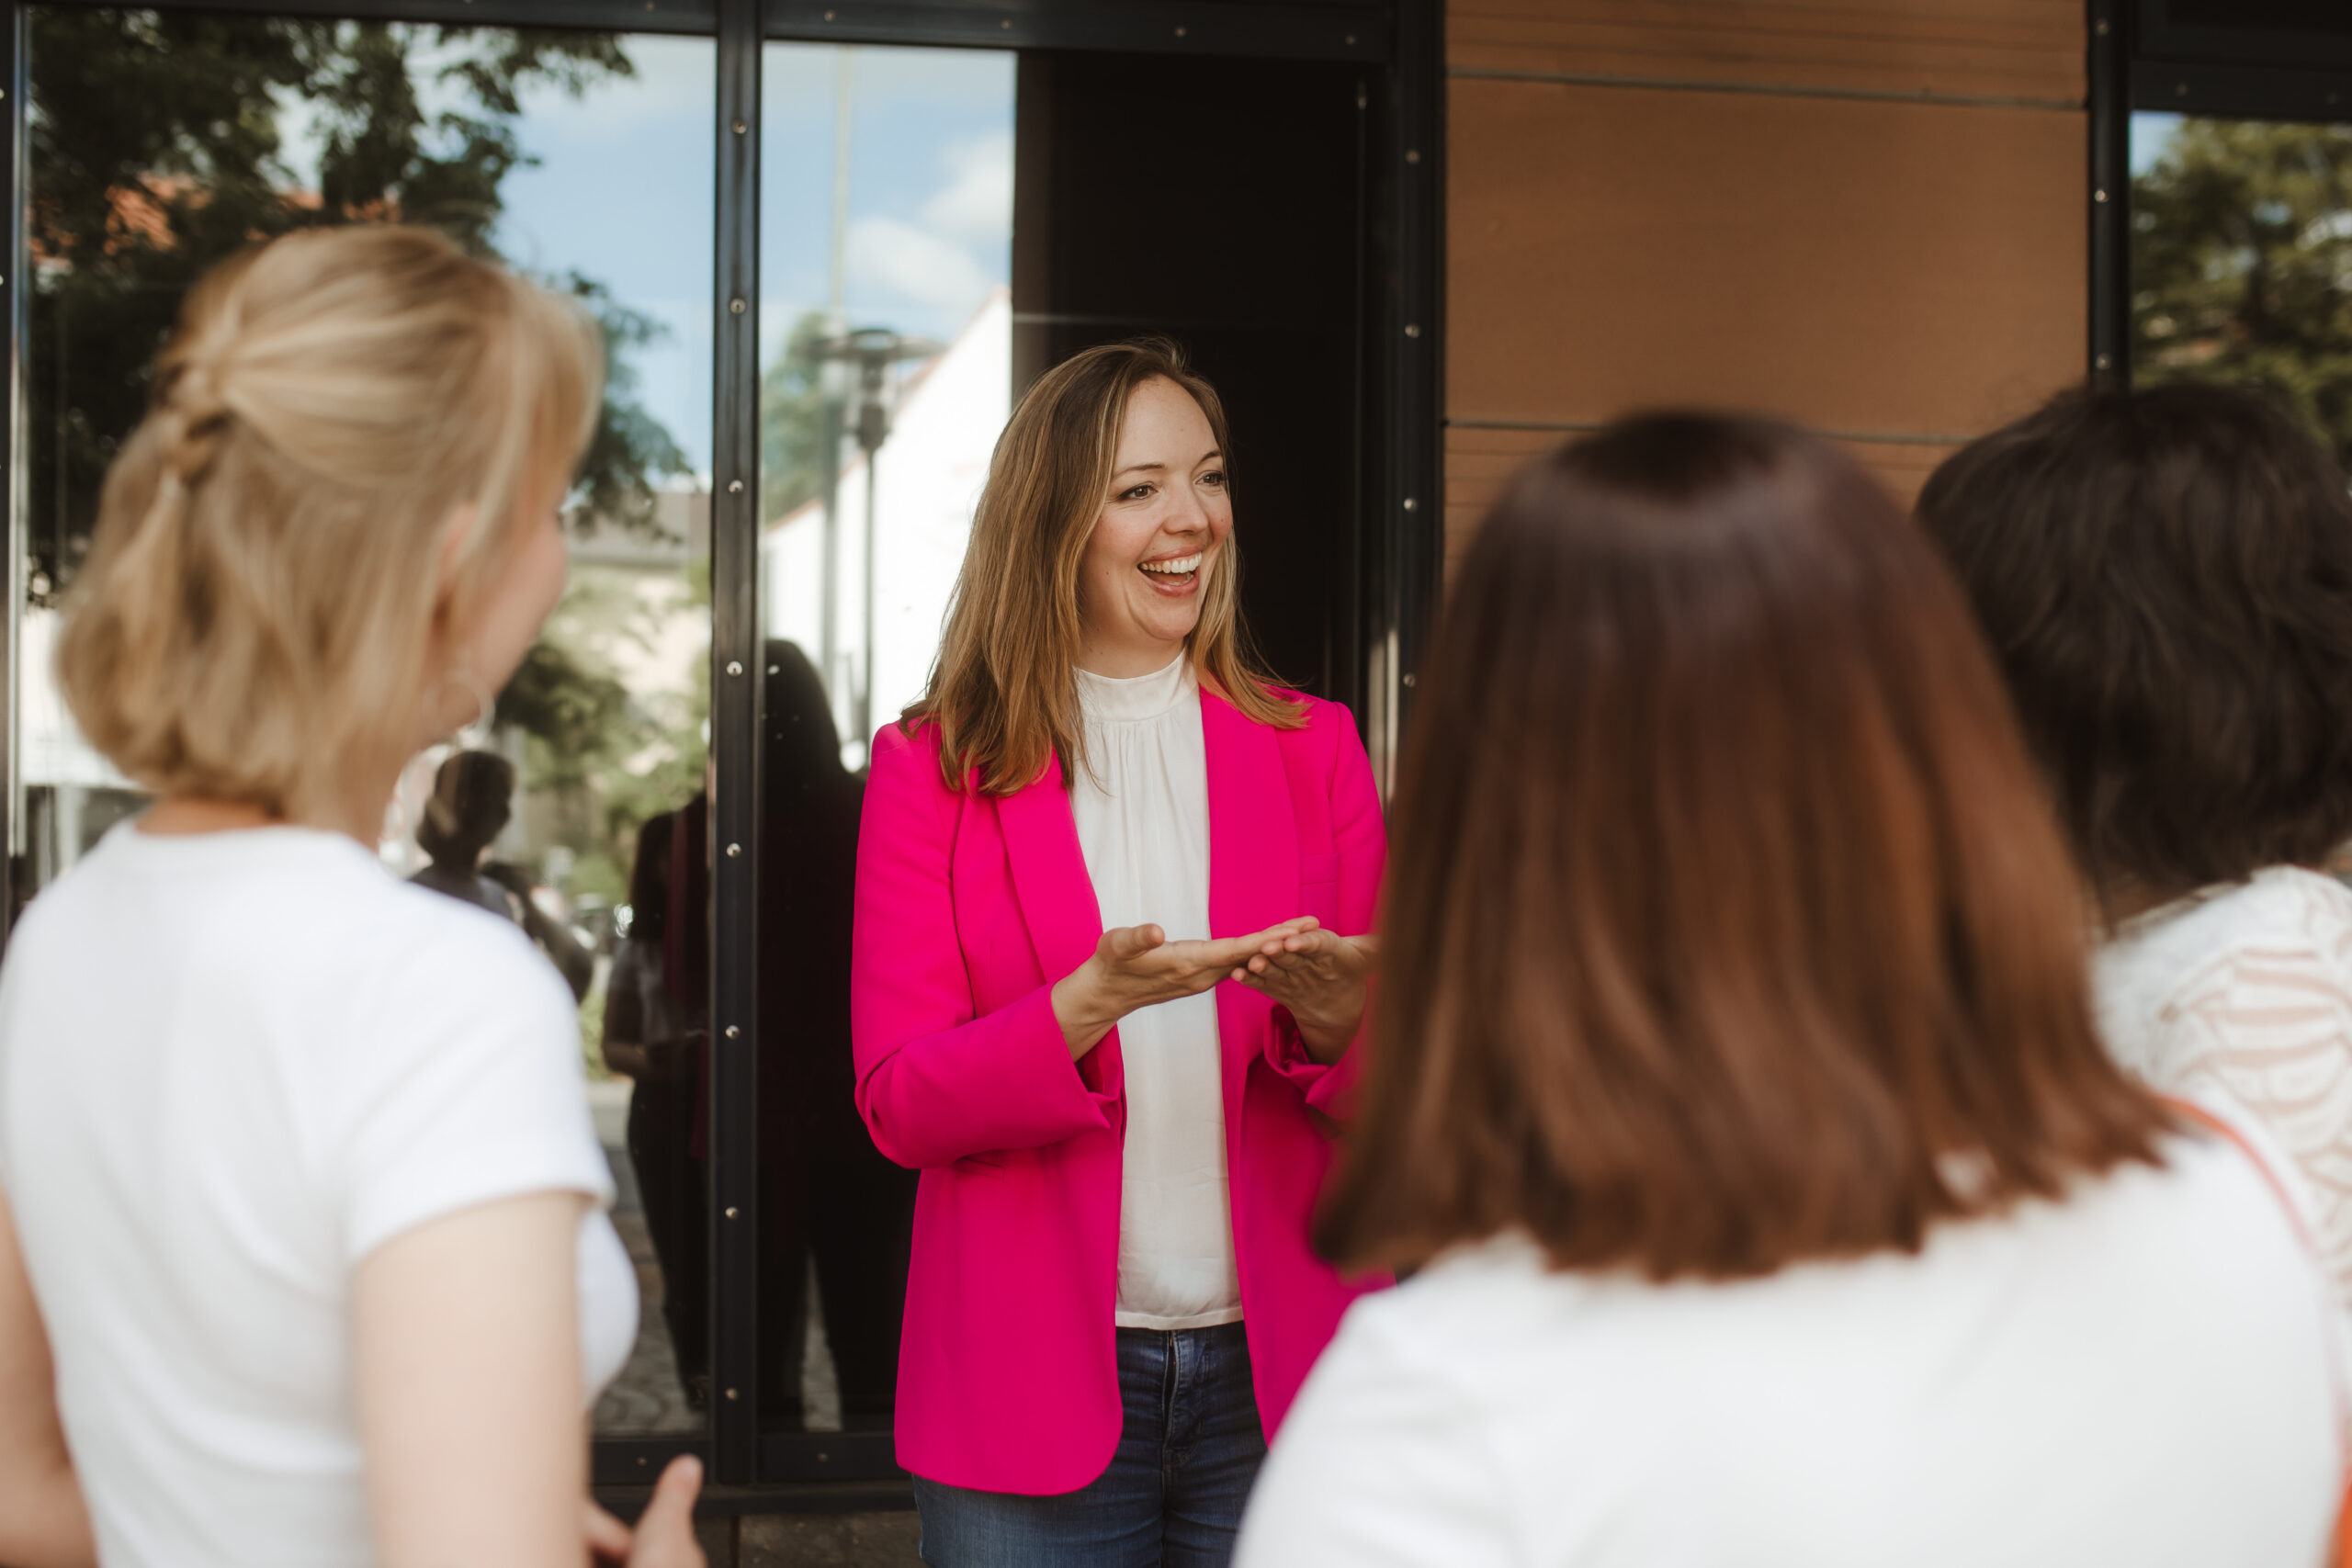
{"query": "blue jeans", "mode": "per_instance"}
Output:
(1172, 1495)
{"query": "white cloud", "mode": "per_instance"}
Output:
(976, 204)
(916, 264)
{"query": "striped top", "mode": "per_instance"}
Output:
(2239, 997)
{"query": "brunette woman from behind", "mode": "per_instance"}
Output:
(2166, 578)
(1733, 1089)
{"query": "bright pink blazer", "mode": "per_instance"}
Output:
(969, 908)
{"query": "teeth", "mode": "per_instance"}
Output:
(1176, 568)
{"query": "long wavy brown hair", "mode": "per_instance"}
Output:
(1728, 925)
(1004, 688)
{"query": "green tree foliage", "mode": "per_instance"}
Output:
(157, 150)
(2242, 264)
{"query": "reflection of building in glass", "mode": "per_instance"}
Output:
(930, 470)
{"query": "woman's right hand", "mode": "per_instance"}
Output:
(1137, 966)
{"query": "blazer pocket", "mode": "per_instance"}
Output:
(980, 1162)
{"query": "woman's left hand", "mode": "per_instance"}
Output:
(1322, 978)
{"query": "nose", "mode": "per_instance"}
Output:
(1189, 515)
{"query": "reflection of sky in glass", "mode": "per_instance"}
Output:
(931, 187)
(622, 192)
(2151, 134)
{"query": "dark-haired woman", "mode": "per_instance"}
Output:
(2167, 577)
(1735, 1090)
(1098, 812)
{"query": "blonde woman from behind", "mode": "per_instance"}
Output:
(295, 1168)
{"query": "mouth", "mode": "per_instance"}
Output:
(1174, 574)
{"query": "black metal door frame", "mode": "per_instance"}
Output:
(1401, 40)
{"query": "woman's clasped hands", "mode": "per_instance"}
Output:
(1320, 976)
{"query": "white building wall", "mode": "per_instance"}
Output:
(932, 470)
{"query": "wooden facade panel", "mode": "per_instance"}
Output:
(1869, 267)
(1478, 463)
(2030, 50)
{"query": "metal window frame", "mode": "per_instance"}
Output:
(1401, 40)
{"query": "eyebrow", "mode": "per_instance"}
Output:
(1209, 456)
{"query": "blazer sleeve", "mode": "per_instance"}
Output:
(936, 1083)
(1360, 839)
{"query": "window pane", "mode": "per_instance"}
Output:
(162, 142)
(2242, 260)
(886, 329)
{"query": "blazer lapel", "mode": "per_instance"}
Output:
(1253, 856)
(1058, 899)
(1049, 874)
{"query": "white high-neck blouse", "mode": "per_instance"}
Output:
(1142, 805)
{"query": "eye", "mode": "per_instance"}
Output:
(1138, 492)
(1215, 479)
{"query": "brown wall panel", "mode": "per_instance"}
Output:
(1478, 463)
(1871, 267)
(1999, 48)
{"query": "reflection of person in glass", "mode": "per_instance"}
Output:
(1098, 812)
(831, 1199)
(654, 1042)
(471, 800)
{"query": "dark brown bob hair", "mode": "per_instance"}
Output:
(2166, 578)
(1727, 925)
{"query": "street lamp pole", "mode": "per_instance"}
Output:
(873, 350)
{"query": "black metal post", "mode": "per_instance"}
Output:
(16, 307)
(735, 683)
(2110, 193)
(1416, 532)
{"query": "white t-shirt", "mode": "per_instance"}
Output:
(1142, 805)
(230, 1066)
(2137, 1376)
(2239, 998)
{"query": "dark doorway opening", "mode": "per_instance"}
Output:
(1220, 202)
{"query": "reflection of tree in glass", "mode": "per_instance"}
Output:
(2242, 264)
(603, 759)
(793, 421)
(157, 148)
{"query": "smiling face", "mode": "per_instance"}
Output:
(1158, 539)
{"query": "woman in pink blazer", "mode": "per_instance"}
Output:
(1114, 896)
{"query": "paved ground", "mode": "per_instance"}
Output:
(816, 1541)
(646, 1396)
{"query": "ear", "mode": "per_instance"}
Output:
(457, 533)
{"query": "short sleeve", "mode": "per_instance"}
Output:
(461, 1084)
(1381, 1464)
(2266, 1028)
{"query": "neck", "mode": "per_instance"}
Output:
(179, 816)
(359, 817)
(1125, 661)
(2127, 897)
